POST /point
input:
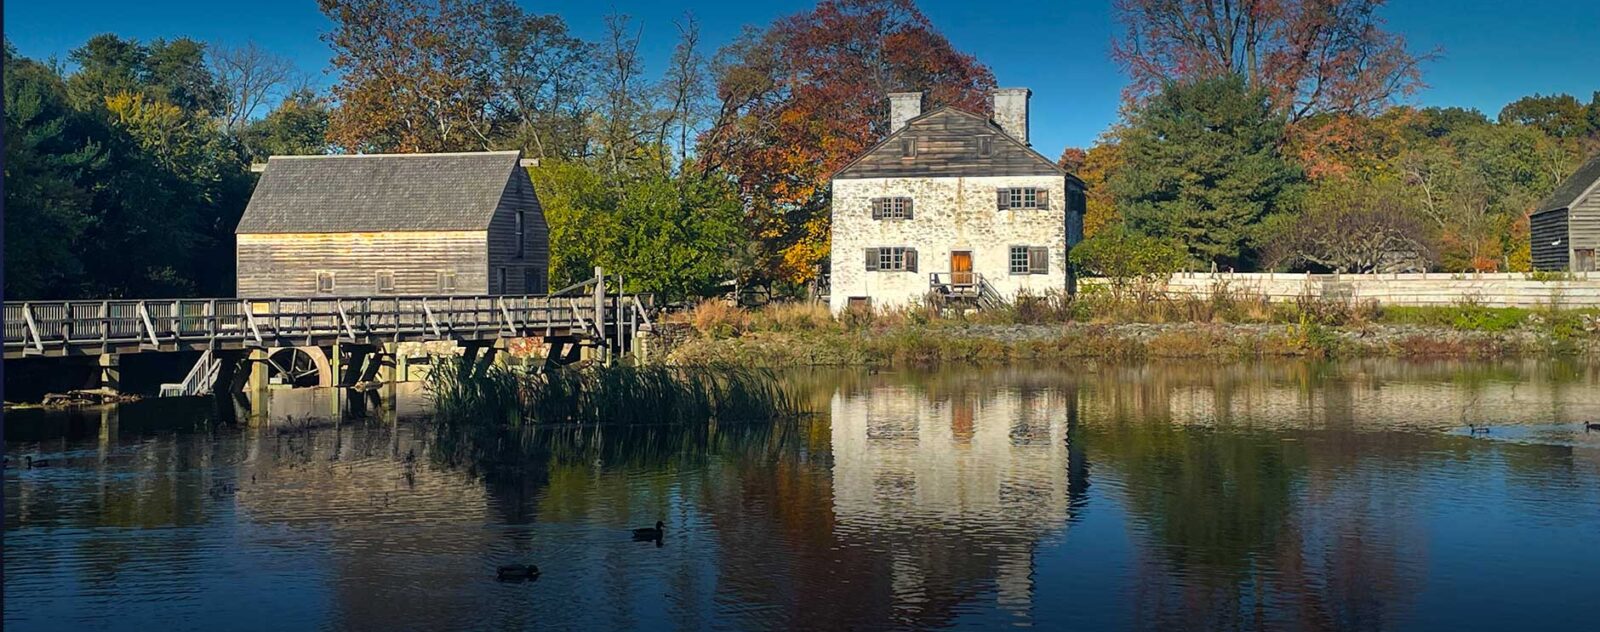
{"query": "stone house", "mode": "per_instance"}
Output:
(955, 205)
(1565, 228)
(393, 224)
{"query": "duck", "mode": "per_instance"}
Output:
(33, 463)
(514, 572)
(1591, 426)
(1477, 429)
(648, 533)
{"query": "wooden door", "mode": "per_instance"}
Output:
(961, 267)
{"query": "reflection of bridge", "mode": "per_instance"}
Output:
(290, 337)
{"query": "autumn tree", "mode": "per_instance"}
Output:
(540, 75)
(1095, 167)
(411, 77)
(805, 96)
(1202, 168)
(1309, 56)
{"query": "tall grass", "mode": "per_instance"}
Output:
(609, 395)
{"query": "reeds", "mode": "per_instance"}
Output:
(609, 395)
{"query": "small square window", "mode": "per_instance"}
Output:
(908, 148)
(1019, 260)
(386, 281)
(447, 281)
(891, 208)
(985, 145)
(891, 258)
(1024, 198)
(324, 282)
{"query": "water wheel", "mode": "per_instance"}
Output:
(300, 366)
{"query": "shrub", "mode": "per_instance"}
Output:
(719, 319)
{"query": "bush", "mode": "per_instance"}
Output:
(1130, 261)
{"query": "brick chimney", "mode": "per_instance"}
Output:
(903, 106)
(1010, 106)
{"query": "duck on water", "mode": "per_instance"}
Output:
(648, 534)
(517, 572)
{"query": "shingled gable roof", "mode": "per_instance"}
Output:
(1572, 190)
(377, 193)
(942, 157)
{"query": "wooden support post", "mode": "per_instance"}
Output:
(489, 353)
(557, 352)
(336, 363)
(600, 303)
(110, 371)
(402, 365)
(258, 377)
(355, 369)
(469, 357)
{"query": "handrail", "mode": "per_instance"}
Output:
(102, 326)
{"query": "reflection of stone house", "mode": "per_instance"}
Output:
(997, 468)
(952, 203)
(1566, 226)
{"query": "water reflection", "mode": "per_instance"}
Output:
(1156, 497)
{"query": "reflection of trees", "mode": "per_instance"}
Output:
(1273, 526)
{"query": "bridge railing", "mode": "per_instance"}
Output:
(32, 326)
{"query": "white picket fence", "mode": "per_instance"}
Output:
(1515, 289)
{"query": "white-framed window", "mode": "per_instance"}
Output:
(325, 283)
(385, 281)
(891, 208)
(447, 281)
(1023, 198)
(1029, 260)
(892, 259)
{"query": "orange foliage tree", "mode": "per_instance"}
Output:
(801, 99)
(1095, 167)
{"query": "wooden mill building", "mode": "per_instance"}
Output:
(394, 224)
(1565, 228)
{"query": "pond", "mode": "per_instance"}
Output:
(1160, 496)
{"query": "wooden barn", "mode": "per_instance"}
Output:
(394, 224)
(1565, 228)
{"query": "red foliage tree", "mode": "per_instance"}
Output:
(1312, 56)
(805, 97)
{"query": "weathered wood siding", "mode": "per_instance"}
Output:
(1583, 224)
(1548, 233)
(519, 195)
(946, 144)
(286, 264)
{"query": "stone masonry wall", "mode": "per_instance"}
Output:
(948, 214)
(1513, 289)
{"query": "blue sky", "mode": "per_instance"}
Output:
(1490, 55)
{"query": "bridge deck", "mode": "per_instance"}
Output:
(60, 328)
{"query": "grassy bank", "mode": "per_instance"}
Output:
(511, 398)
(1231, 326)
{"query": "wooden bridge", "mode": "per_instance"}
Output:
(578, 317)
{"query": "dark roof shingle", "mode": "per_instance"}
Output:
(375, 193)
(1567, 193)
